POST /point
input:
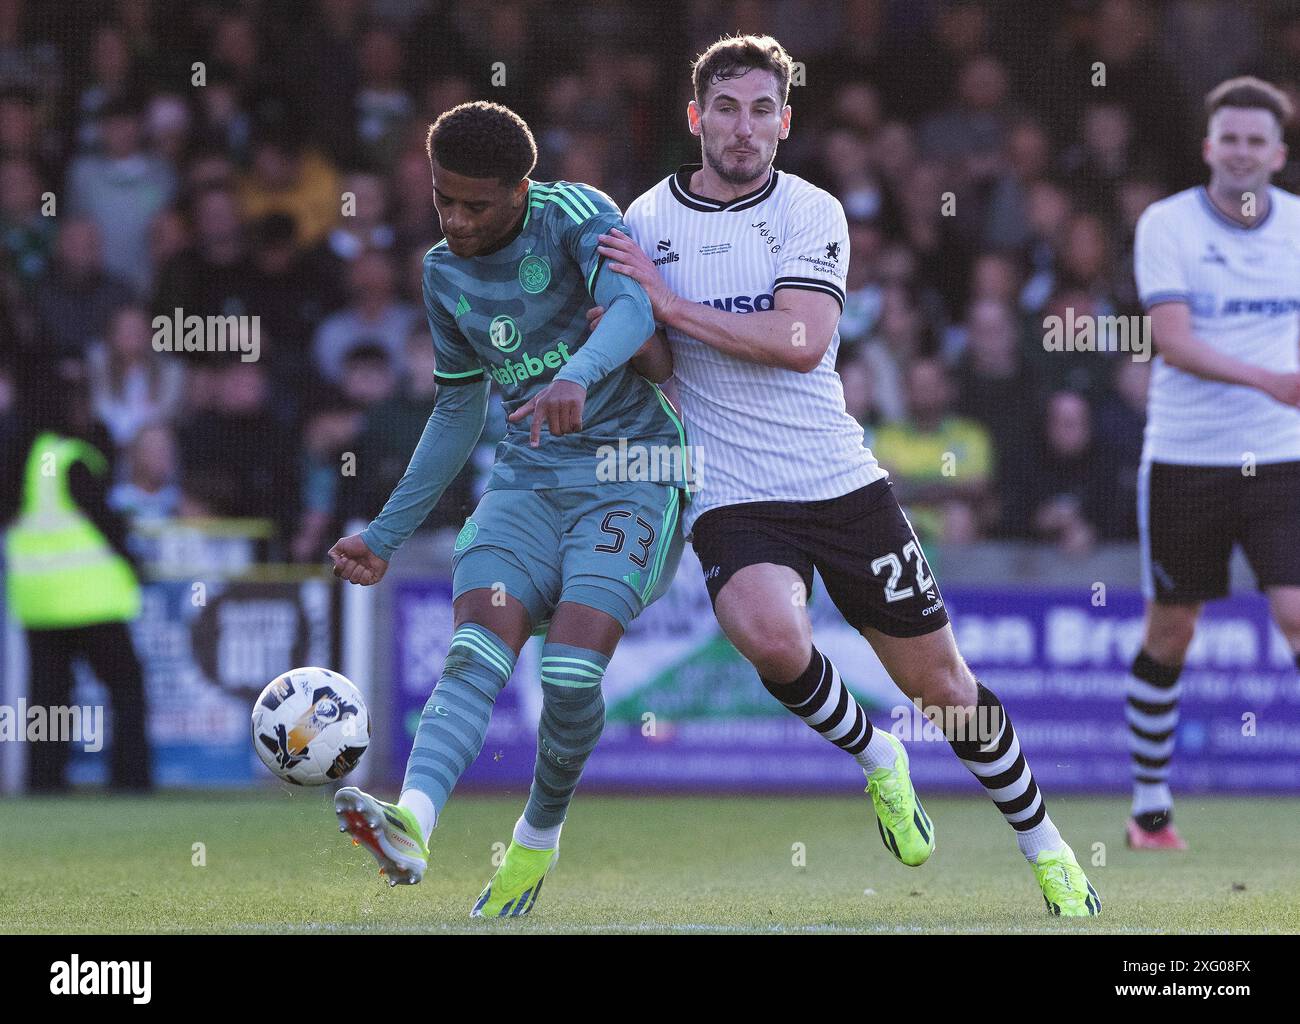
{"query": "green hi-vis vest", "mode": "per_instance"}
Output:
(61, 571)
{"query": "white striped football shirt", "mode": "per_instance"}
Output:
(761, 433)
(1242, 286)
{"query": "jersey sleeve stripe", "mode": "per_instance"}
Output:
(595, 272)
(455, 379)
(811, 284)
(560, 201)
(580, 200)
(1156, 298)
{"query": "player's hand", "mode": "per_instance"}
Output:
(593, 316)
(1285, 387)
(356, 563)
(559, 405)
(625, 257)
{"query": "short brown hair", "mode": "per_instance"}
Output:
(732, 56)
(1252, 94)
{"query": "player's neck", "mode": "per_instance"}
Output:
(1232, 204)
(708, 183)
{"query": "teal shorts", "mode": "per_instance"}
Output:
(610, 546)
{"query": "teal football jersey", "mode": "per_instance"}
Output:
(518, 315)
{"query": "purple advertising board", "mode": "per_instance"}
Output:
(685, 712)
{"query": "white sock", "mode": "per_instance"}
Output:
(533, 838)
(422, 807)
(878, 753)
(1043, 836)
(1151, 796)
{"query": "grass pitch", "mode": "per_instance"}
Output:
(274, 862)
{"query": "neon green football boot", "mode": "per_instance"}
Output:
(905, 828)
(388, 831)
(1066, 890)
(513, 889)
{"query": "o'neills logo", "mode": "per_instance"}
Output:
(181, 333)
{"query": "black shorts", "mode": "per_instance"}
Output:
(1190, 517)
(861, 543)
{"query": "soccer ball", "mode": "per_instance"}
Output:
(310, 726)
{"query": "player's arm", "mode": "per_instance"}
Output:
(623, 328)
(620, 334)
(793, 335)
(654, 359)
(1171, 328)
(1160, 267)
(807, 298)
(454, 427)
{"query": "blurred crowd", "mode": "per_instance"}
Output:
(266, 157)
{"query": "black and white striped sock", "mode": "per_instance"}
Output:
(822, 700)
(1152, 714)
(991, 750)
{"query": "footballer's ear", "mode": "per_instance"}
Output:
(693, 117)
(785, 122)
(1279, 159)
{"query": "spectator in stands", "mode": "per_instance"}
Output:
(122, 190)
(130, 384)
(292, 292)
(20, 129)
(1027, 159)
(169, 236)
(167, 127)
(151, 492)
(238, 459)
(863, 294)
(374, 314)
(26, 234)
(75, 299)
(941, 463)
(329, 434)
(1000, 389)
(1070, 481)
(110, 80)
(1047, 208)
(1120, 420)
(289, 176)
(364, 223)
(392, 429)
(415, 220)
(368, 377)
(214, 276)
(383, 107)
(859, 393)
(1102, 158)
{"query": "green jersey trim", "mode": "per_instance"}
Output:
(669, 525)
(577, 206)
(455, 379)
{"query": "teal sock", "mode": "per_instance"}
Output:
(573, 715)
(455, 719)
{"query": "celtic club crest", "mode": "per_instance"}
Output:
(534, 274)
(467, 534)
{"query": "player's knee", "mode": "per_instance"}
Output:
(779, 651)
(1168, 636)
(949, 684)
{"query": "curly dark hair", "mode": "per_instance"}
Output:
(732, 56)
(483, 140)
